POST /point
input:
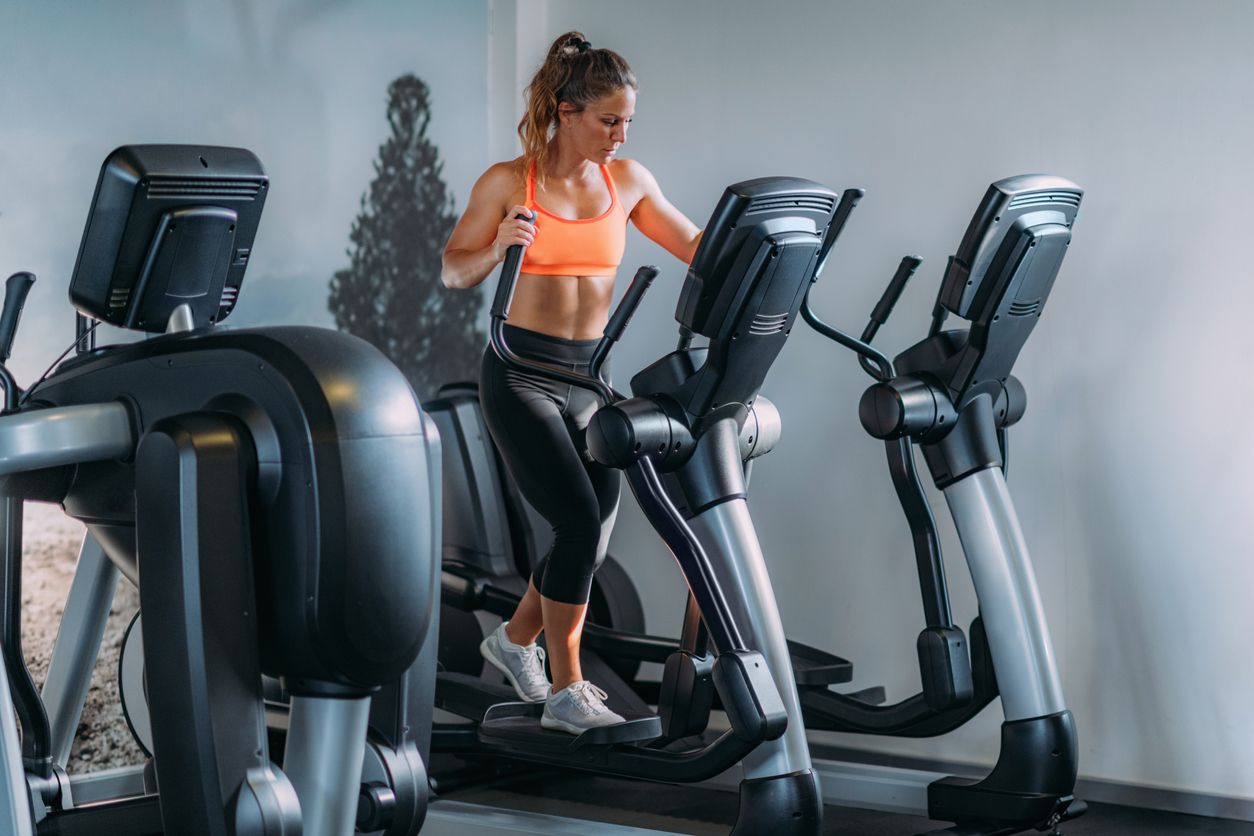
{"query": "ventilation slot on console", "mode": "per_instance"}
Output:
(1054, 198)
(118, 297)
(812, 203)
(184, 187)
(1025, 308)
(764, 325)
(229, 295)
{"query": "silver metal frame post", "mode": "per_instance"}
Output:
(727, 530)
(78, 645)
(326, 744)
(15, 816)
(1010, 604)
(43, 438)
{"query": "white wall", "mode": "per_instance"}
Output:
(1132, 469)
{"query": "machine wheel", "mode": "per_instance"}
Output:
(615, 603)
(131, 688)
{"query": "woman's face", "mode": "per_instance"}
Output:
(599, 129)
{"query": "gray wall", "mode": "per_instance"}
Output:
(302, 84)
(1132, 469)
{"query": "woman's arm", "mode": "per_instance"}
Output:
(660, 221)
(486, 229)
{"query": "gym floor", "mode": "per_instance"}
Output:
(699, 811)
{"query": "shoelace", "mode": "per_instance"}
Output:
(533, 664)
(589, 699)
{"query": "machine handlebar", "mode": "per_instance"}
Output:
(896, 286)
(622, 315)
(510, 269)
(15, 290)
(506, 285)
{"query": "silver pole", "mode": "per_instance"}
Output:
(326, 744)
(1010, 602)
(727, 530)
(15, 814)
(78, 644)
(41, 438)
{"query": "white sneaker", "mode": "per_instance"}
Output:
(578, 707)
(522, 666)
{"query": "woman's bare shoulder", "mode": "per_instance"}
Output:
(630, 171)
(633, 181)
(502, 179)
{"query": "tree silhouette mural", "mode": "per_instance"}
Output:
(390, 294)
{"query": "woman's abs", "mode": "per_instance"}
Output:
(570, 307)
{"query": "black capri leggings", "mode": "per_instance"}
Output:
(538, 425)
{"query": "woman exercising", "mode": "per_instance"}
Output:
(577, 196)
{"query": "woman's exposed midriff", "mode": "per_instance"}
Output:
(570, 307)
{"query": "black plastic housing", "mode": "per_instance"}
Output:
(1031, 784)
(741, 220)
(747, 282)
(169, 225)
(1001, 277)
(330, 420)
(1009, 206)
(945, 668)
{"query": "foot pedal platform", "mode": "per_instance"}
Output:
(875, 695)
(518, 724)
(814, 668)
(469, 696)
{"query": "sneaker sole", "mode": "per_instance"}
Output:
(554, 724)
(560, 725)
(491, 659)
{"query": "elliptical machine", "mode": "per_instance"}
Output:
(275, 488)
(954, 396)
(682, 439)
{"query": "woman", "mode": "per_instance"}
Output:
(577, 197)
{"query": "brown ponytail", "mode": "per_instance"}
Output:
(572, 72)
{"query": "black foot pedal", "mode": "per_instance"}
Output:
(814, 668)
(518, 724)
(875, 695)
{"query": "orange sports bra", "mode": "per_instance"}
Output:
(573, 247)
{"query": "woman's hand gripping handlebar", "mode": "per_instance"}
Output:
(622, 314)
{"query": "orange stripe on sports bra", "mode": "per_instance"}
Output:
(576, 246)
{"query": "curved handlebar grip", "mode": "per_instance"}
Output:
(896, 286)
(630, 302)
(15, 290)
(506, 285)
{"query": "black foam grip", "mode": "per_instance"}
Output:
(631, 300)
(884, 308)
(15, 290)
(505, 286)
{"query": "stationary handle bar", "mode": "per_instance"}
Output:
(508, 283)
(15, 290)
(906, 483)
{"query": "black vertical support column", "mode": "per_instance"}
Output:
(194, 475)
